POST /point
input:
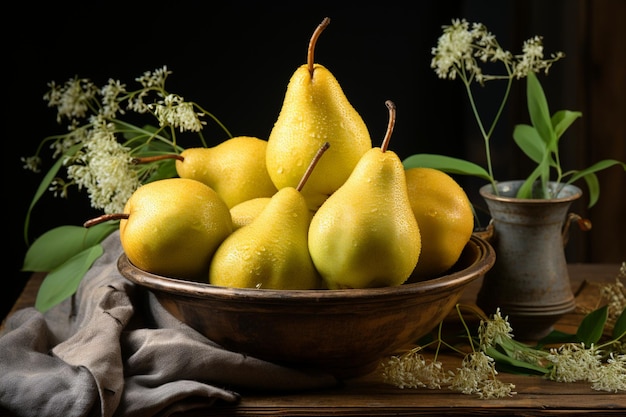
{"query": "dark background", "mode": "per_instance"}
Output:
(236, 60)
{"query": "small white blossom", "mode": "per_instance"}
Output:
(137, 103)
(460, 51)
(155, 78)
(59, 187)
(494, 331)
(572, 362)
(615, 294)
(477, 375)
(412, 370)
(105, 169)
(100, 149)
(31, 163)
(71, 99)
(75, 136)
(110, 98)
(611, 376)
(174, 111)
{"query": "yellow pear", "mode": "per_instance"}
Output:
(445, 217)
(246, 211)
(365, 234)
(315, 110)
(235, 169)
(271, 252)
(173, 226)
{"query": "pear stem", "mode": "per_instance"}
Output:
(104, 218)
(148, 159)
(314, 162)
(310, 53)
(392, 122)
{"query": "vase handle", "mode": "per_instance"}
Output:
(583, 224)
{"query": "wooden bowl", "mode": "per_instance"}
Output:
(344, 332)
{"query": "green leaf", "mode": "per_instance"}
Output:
(539, 111)
(619, 330)
(557, 337)
(63, 281)
(166, 169)
(447, 164)
(592, 326)
(594, 188)
(591, 179)
(562, 119)
(598, 166)
(514, 365)
(529, 141)
(526, 189)
(45, 183)
(60, 244)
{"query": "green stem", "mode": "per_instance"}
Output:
(467, 330)
(486, 135)
(215, 119)
(134, 128)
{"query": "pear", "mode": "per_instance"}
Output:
(172, 227)
(235, 169)
(246, 211)
(315, 110)
(271, 252)
(365, 234)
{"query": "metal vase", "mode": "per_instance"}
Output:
(529, 281)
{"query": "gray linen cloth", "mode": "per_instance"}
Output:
(104, 353)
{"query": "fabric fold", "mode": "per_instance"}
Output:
(112, 350)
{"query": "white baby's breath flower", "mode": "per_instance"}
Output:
(174, 111)
(74, 136)
(105, 170)
(494, 331)
(156, 78)
(532, 58)
(495, 388)
(573, 362)
(611, 376)
(477, 375)
(71, 99)
(110, 98)
(100, 149)
(460, 51)
(412, 370)
(59, 187)
(454, 49)
(137, 103)
(31, 163)
(615, 294)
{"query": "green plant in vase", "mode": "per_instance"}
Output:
(461, 52)
(529, 280)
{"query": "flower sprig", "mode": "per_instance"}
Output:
(465, 51)
(100, 146)
(584, 356)
(109, 128)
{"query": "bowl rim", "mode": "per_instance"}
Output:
(196, 289)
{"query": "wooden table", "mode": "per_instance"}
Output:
(368, 395)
